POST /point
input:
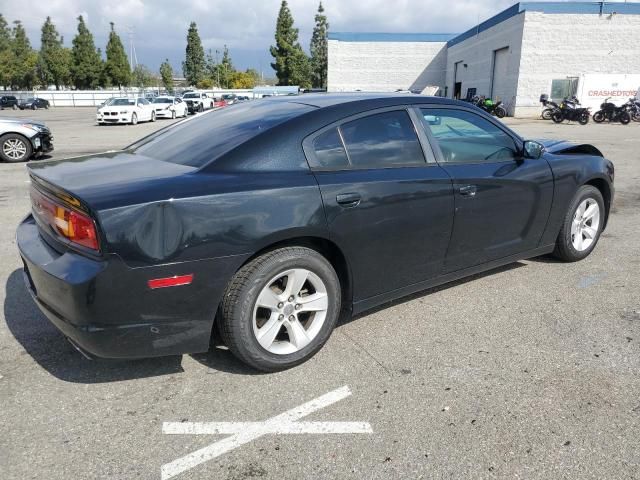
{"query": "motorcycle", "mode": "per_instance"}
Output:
(569, 110)
(489, 106)
(609, 111)
(550, 107)
(633, 107)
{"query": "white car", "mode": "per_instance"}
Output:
(169, 107)
(198, 101)
(126, 110)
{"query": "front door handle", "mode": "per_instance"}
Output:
(348, 200)
(468, 190)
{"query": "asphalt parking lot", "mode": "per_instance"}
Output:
(529, 371)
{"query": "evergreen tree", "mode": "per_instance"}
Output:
(319, 48)
(116, 68)
(86, 66)
(166, 73)
(226, 69)
(24, 59)
(53, 61)
(291, 63)
(193, 66)
(6, 55)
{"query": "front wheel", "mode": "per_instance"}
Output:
(173, 115)
(582, 225)
(584, 118)
(280, 308)
(201, 108)
(134, 119)
(546, 113)
(14, 107)
(15, 148)
(599, 117)
(624, 118)
(557, 117)
(153, 116)
(500, 112)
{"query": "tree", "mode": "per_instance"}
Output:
(193, 66)
(166, 73)
(116, 68)
(143, 77)
(6, 55)
(53, 59)
(86, 64)
(291, 63)
(23, 61)
(246, 79)
(319, 49)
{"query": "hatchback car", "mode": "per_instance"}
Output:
(270, 218)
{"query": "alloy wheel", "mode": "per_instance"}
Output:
(585, 225)
(14, 148)
(290, 311)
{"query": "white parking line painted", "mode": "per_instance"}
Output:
(245, 432)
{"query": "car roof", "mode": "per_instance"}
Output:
(321, 100)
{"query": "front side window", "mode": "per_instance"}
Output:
(465, 137)
(382, 140)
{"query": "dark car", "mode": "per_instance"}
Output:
(33, 103)
(8, 101)
(271, 218)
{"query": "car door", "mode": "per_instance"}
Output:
(502, 200)
(388, 204)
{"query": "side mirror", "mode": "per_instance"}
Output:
(533, 149)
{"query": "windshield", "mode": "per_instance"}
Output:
(31, 99)
(163, 100)
(123, 101)
(202, 139)
(191, 95)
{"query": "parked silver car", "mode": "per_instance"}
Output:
(22, 139)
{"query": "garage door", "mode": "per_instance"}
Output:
(499, 81)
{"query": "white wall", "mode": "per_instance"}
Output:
(572, 45)
(478, 51)
(385, 66)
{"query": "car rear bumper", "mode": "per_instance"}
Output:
(107, 310)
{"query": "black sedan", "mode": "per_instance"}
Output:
(33, 103)
(270, 219)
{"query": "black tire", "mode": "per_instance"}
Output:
(624, 118)
(236, 313)
(635, 117)
(599, 116)
(557, 117)
(153, 116)
(173, 115)
(14, 107)
(28, 149)
(565, 250)
(500, 112)
(134, 118)
(584, 118)
(34, 107)
(546, 113)
(201, 108)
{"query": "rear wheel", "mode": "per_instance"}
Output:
(624, 118)
(599, 117)
(15, 148)
(500, 112)
(546, 113)
(582, 225)
(557, 117)
(280, 308)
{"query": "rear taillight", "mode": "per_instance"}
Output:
(70, 224)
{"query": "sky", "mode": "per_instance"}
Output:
(247, 27)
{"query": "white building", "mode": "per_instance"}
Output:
(590, 49)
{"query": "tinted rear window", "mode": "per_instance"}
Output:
(201, 139)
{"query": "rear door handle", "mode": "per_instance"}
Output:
(348, 199)
(468, 190)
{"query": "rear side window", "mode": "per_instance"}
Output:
(382, 140)
(199, 140)
(329, 150)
